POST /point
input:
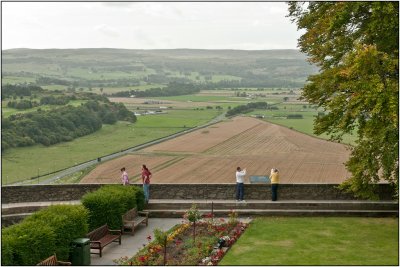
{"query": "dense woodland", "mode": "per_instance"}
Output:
(172, 89)
(246, 108)
(59, 124)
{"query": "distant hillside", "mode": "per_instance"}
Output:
(125, 67)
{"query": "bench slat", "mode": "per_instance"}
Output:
(101, 237)
(132, 218)
(52, 261)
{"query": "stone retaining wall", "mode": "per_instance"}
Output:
(37, 193)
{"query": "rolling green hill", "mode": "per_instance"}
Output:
(90, 68)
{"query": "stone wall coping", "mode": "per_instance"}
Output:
(301, 191)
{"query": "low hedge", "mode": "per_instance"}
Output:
(107, 204)
(27, 243)
(46, 231)
(68, 223)
(294, 116)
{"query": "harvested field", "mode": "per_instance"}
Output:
(110, 171)
(211, 155)
(206, 138)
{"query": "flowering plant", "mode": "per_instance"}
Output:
(226, 238)
(183, 252)
(233, 217)
(192, 214)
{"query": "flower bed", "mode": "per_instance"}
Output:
(202, 242)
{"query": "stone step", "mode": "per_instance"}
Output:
(278, 212)
(15, 212)
(267, 204)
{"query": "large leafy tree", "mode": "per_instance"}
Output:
(355, 45)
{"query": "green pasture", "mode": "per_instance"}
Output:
(306, 125)
(197, 77)
(54, 87)
(218, 78)
(193, 76)
(43, 68)
(19, 164)
(317, 241)
(17, 79)
(88, 74)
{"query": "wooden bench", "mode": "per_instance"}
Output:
(102, 236)
(132, 218)
(52, 261)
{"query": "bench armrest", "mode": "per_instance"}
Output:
(145, 213)
(115, 231)
(64, 263)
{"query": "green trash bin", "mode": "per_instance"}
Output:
(80, 252)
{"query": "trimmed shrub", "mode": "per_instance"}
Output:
(107, 204)
(294, 116)
(139, 195)
(7, 248)
(27, 243)
(68, 223)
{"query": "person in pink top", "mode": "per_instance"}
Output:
(124, 177)
(146, 174)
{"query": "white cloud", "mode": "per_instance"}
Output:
(107, 30)
(148, 25)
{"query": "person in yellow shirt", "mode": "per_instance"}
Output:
(274, 183)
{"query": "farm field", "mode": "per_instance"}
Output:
(304, 125)
(19, 164)
(211, 155)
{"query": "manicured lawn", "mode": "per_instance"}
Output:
(317, 241)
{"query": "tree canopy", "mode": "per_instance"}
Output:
(355, 45)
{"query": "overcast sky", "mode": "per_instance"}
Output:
(148, 25)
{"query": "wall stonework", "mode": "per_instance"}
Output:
(37, 193)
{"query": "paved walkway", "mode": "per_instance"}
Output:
(130, 245)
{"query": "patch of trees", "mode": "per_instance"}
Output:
(60, 125)
(246, 108)
(23, 104)
(52, 100)
(294, 116)
(10, 90)
(356, 46)
(42, 80)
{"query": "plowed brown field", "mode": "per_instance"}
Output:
(211, 155)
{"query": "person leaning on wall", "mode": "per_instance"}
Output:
(124, 176)
(146, 174)
(240, 174)
(274, 183)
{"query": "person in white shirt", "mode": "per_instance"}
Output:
(240, 184)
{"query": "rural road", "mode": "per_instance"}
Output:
(87, 164)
